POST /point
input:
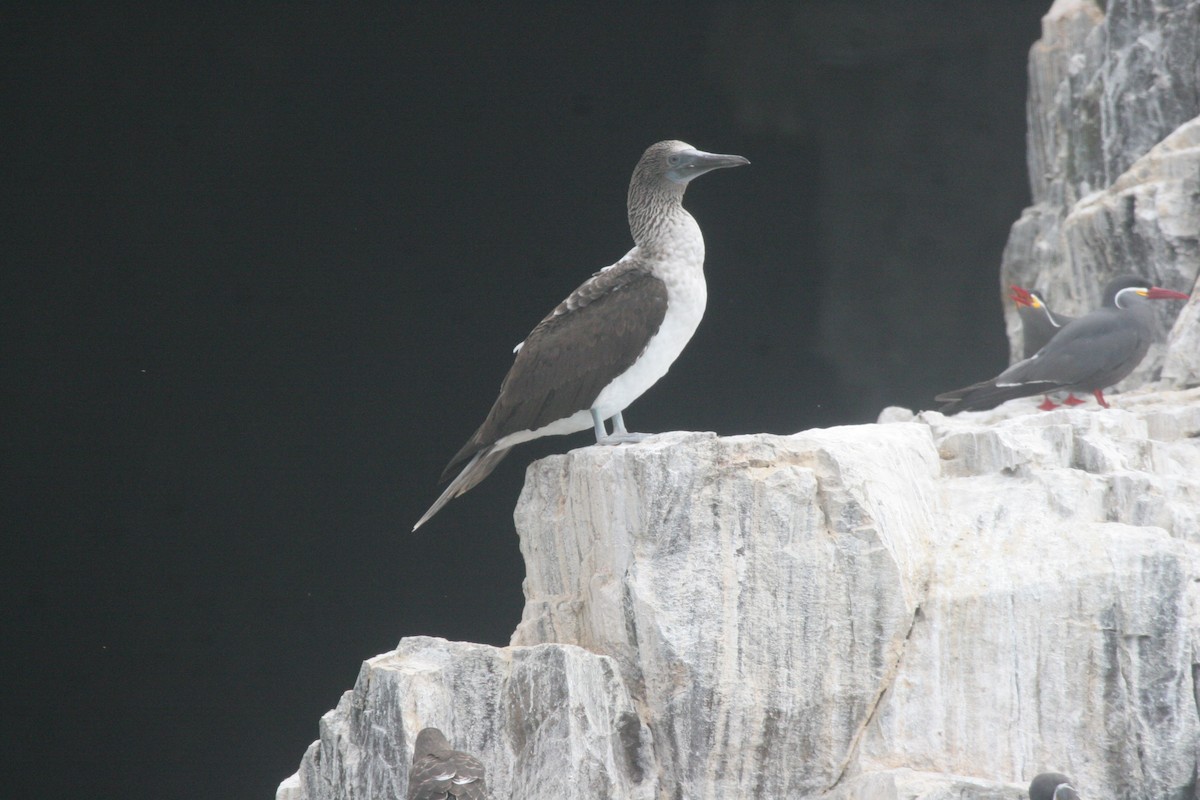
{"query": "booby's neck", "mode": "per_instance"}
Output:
(662, 228)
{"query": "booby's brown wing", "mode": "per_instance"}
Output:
(579, 348)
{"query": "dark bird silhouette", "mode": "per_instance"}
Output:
(1052, 786)
(440, 773)
(614, 336)
(1089, 354)
(1039, 325)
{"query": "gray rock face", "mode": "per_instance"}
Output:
(1114, 160)
(1078, 661)
(859, 596)
(548, 721)
(929, 608)
(907, 784)
(1108, 81)
(709, 584)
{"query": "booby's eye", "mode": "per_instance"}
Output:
(674, 159)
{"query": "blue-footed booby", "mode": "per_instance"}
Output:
(614, 336)
(1089, 354)
(441, 773)
(1052, 786)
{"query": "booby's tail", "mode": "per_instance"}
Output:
(478, 468)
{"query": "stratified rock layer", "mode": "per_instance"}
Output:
(932, 607)
(548, 721)
(757, 590)
(982, 596)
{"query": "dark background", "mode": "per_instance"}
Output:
(263, 272)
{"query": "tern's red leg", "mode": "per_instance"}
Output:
(1072, 400)
(1047, 404)
(1100, 398)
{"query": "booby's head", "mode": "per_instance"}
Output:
(1128, 290)
(1052, 786)
(660, 178)
(673, 163)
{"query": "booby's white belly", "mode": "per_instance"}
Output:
(686, 299)
(687, 296)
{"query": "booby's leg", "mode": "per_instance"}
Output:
(619, 430)
(1072, 400)
(619, 434)
(598, 425)
(1047, 404)
(1100, 398)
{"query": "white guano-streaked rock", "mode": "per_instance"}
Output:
(551, 721)
(907, 784)
(985, 596)
(706, 567)
(935, 607)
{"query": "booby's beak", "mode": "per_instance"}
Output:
(1158, 293)
(686, 165)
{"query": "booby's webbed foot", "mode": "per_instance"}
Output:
(1072, 400)
(1047, 404)
(619, 434)
(623, 437)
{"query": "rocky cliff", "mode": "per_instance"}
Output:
(927, 607)
(1114, 166)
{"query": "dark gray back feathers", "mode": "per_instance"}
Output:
(440, 773)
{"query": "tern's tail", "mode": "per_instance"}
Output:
(478, 468)
(988, 394)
